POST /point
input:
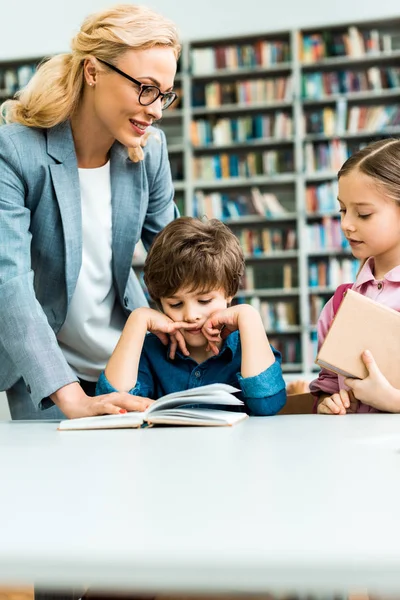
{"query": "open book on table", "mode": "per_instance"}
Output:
(189, 407)
(362, 324)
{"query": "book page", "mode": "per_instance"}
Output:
(196, 417)
(127, 420)
(216, 393)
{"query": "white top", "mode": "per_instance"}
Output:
(93, 326)
(300, 503)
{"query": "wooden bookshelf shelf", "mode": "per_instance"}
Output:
(349, 61)
(257, 143)
(240, 107)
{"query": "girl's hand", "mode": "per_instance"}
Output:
(338, 404)
(375, 390)
(168, 331)
(74, 403)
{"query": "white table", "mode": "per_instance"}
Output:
(310, 503)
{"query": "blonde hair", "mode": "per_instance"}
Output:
(54, 92)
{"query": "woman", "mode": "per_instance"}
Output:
(77, 192)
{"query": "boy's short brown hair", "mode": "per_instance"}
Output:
(193, 254)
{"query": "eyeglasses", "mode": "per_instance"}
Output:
(147, 93)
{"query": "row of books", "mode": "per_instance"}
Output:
(373, 118)
(233, 205)
(275, 275)
(179, 200)
(177, 167)
(276, 316)
(278, 125)
(264, 240)
(178, 103)
(352, 42)
(289, 347)
(13, 79)
(317, 303)
(328, 156)
(332, 272)
(261, 53)
(224, 165)
(322, 197)
(251, 91)
(325, 235)
(321, 84)
(327, 120)
(313, 348)
(343, 119)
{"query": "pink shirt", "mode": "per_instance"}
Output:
(386, 291)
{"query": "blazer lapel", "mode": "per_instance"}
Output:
(126, 193)
(126, 198)
(65, 177)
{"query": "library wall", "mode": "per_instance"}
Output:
(263, 124)
(47, 26)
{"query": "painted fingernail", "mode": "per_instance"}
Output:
(122, 411)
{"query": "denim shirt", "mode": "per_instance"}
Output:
(263, 394)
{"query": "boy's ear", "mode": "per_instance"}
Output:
(229, 300)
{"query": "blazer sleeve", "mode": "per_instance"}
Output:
(161, 208)
(26, 338)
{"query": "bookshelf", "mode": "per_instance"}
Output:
(349, 95)
(15, 74)
(263, 125)
(275, 115)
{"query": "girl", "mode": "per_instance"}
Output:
(369, 199)
(77, 192)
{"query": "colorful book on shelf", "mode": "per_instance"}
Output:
(362, 324)
(206, 405)
(266, 203)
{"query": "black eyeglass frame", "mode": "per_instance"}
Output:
(143, 87)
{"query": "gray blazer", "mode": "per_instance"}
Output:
(41, 242)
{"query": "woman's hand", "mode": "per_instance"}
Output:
(375, 390)
(74, 403)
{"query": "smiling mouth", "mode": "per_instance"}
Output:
(140, 126)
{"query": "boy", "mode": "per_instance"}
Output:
(192, 272)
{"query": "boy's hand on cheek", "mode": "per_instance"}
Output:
(219, 325)
(168, 331)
